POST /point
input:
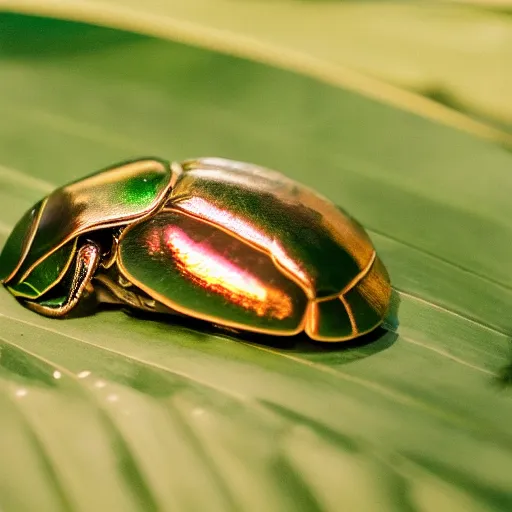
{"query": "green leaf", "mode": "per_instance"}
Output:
(453, 53)
(451, 57)
(113, 412)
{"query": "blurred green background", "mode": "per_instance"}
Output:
(399, 112)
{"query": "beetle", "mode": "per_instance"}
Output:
(232, 243)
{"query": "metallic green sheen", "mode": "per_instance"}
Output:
(332, 319)
(109, 197)
(177, 258)
(46, 274)
(53, 302)
(364, 315)
(223, 241)
(140, 191)
(17, 241)
(324, 243)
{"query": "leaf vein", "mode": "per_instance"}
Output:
(38, 445)
(453, 264)
(107, 417)
(396, 396)
(444, 309)
(25, 179)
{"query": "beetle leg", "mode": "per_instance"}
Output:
(111, 258)
(117, 291)
(86, 263)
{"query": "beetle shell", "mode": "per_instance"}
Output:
(223, 241)
(43, 240)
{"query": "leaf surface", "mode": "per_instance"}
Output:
(113, 412)
(423, 56)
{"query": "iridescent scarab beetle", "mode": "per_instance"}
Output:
(228, 242)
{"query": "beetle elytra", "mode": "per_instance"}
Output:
(227, 242)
